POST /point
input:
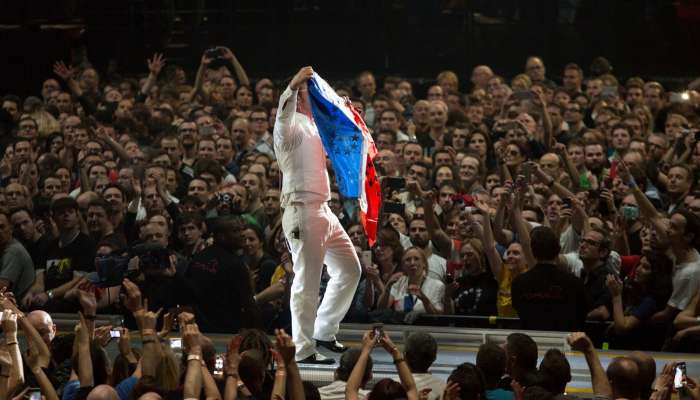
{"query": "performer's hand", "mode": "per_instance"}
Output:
(302, 76)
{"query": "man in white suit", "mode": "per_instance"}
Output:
(314, 234)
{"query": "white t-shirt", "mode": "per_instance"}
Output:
(428, 381)
(437, 267)
(433, 289)
(569, 240)
(336, 391)
(686, 282)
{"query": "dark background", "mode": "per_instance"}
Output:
(412, 38)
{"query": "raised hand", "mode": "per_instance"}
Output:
(88, 302)
(301, 77)
(580, 342)
(614, 285)
(82, 332)
(190, 338)
(233, 358)
(285, 346)
(66, 72)
(124, 343)
(279, 361)
(155, 64)
(168, 323)
(103, 335)
(395, 277)
(132, 301)
(9, 323)
(227, 53)
(389, 346)
(415, 290)
(665, 379)
(368, 339)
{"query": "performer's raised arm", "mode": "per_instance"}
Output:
(288, 105)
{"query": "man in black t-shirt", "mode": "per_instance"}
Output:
(545, 297)
(69, 256)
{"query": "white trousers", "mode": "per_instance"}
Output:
(316, 237)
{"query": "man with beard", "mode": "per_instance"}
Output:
(161, 121)
(187, 131)
(595, 159)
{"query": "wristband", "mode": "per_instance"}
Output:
(196, 357)
(399, 360)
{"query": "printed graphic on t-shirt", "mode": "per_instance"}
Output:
(59, 270)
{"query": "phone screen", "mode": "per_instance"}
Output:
(219, 364)
(367, 258)
(679, 378)
(114, 333)
(175, 343)
(378, 330)
(34, 394)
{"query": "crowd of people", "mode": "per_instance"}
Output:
(557, 203)
(77, 365)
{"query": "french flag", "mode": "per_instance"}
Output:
(350, 148)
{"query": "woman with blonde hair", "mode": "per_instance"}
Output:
(448, 80)
(412, 291)
(474, 290)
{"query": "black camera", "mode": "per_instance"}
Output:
(112, 269)
(216, 55)
(151, 256)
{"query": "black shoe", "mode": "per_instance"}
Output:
(332, 345)
(317, 358)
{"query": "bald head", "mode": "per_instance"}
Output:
(623, 374)
(42, 322)
(150, 396)
(647, 371)
(103, 392)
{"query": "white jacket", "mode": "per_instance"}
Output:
(300, 154)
